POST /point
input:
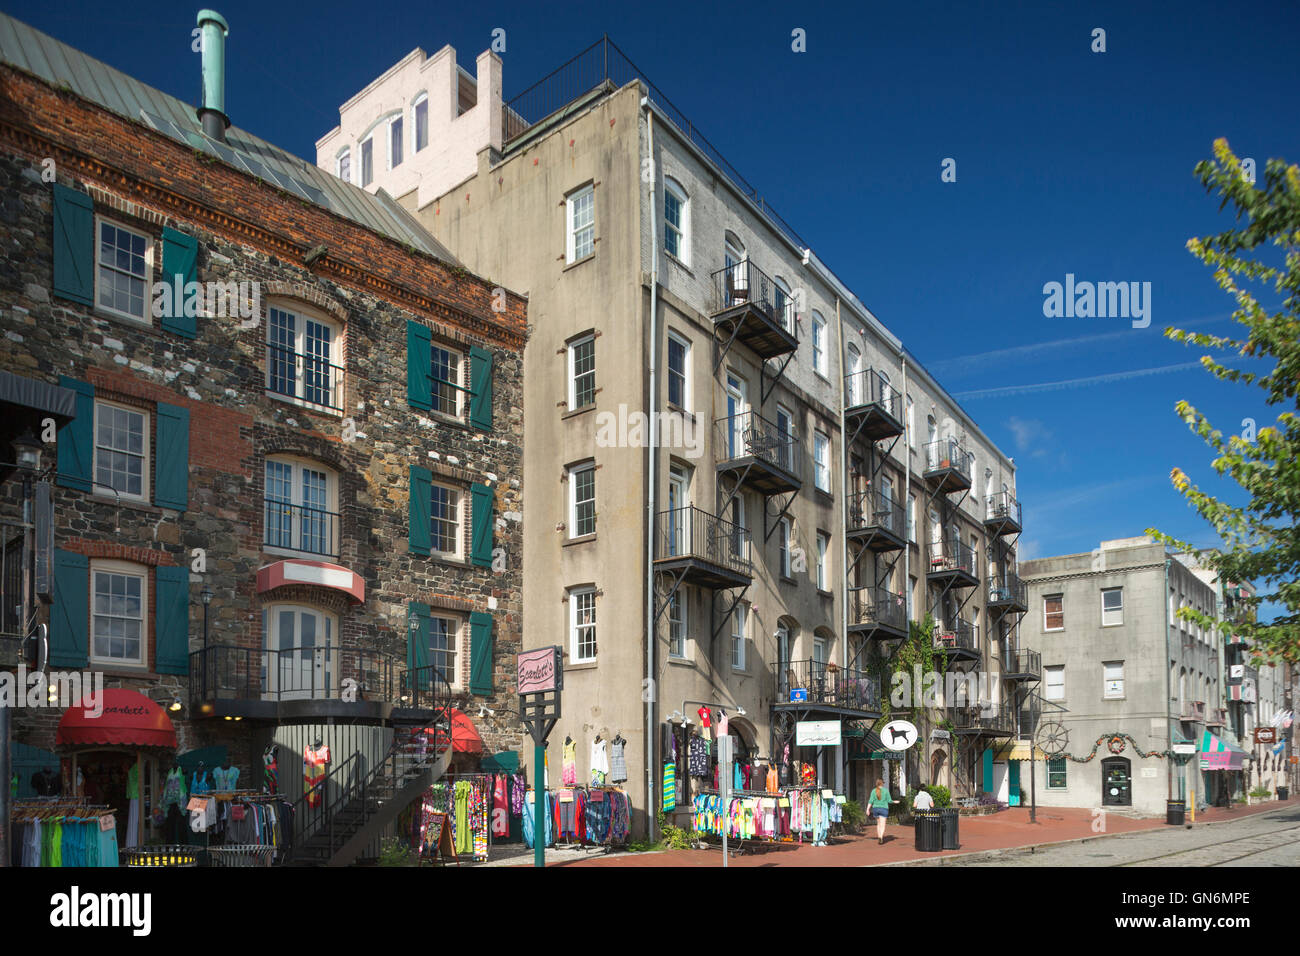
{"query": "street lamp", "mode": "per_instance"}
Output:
(27, 452)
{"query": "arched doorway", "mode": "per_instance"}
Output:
(1116, 782)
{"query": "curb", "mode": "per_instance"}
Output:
(1035, 846)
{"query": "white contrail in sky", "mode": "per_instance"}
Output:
(1072, 382)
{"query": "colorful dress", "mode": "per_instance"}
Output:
(569, 765)
(313, 772)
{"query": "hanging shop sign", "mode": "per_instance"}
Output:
(817, 733)
(938, 734)
(1184, 749)
(540, 670)
(1265, 735)
(798, 695)
(898, 735)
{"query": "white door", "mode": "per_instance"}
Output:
(736, 417)
(679, 527)
(855, 379)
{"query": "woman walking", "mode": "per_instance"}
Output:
(879, 801)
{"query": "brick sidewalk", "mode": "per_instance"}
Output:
(1008, 829)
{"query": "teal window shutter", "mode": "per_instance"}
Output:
(75, 448)
(988, 770)
(481, 537)
(417, 641)
(419, 366)
(480, 653)
(172, 620)
(480, 401)
(180, 258)
(172, 458)
(70, 613)
(74, 245)
(419, 538)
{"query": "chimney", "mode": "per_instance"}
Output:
(212, 111)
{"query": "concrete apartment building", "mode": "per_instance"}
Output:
(1127, 680)
(784, 527)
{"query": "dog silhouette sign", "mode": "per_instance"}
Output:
(898, 735)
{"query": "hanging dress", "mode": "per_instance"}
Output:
(617, 763)
(569, 765)
(599, 763)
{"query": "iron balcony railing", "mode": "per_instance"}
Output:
(956, 635)
(743, 283)
(750, 435)
(1009, 589)
(691, 533)
(1218, 717)
(1002, 507)
(1194, 710)
(952, 554)
(308, 378)
(948, 453)
(827, 684)
(869, 387)
(876, 607)
(1022, 662)
(873, 509)
(300, 528)
(309, 672)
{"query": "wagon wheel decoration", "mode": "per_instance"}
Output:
(1053, 738)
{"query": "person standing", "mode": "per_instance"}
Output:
(923, 800)
(879, 801)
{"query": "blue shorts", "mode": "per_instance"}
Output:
(880, 811)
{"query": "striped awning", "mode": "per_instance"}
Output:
(1220, 754)
(1019, 750)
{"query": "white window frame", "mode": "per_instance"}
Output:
(1112, 611)
(784, 534)
(145, 464)
(344, 156)
(571, 361)
(788, 308)
(575, 472)
(1049, 597)
(366, 146)
(582, 596)
(739, 637)
(819, 655)
(145, 317)
(326, 655)
(396, 141)
(683, 230)
(911, 589)
(458, 520)
(298, 464)
(1063, 772)
(911, 422)
(457, 636)
(685, 344)
(574, 249)
(822, 461)
(455, 384)
(679, 640)
(911, 518)
(421, 101)
(302, 317)
(819, 343)
(823, 561)
(124, 569)
(1048, 685)
(1112, 687)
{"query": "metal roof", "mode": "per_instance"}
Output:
(28, 49)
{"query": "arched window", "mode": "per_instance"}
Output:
(735, 262)
(784, 302)
(300, 652)
(300, 507)
(344, 165)
(677, 222)
(304, 356)
(853, 375)
(420, 112)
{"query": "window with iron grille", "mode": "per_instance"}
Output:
(298, 505)
(302, 358)
(1056, 773)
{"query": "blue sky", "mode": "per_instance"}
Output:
(1067, 161)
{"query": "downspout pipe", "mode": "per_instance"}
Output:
(213, 31)
(844, 528)
(1169, 689)
(652, 480)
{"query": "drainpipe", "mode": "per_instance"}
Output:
(651, 480)
(212, 112)
(844, 536)
(1169, 690)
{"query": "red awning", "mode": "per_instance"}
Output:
(464, 735)
(127, 719)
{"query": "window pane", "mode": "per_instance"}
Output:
(421, 125)
(584, 502)
(367, 164)
(445, 515)
(582, 212)
(676, 373)
(395, 141)
(446, 379)
(281, 337)
(584, 373)
(317, 384)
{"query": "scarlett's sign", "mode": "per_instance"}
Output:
(540, 670)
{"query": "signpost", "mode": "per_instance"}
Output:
(541, 678)
(724, 779)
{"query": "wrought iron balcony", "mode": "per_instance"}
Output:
(948, 465)
(764, 457)
(1194, 710)
(1002, 514)
(1008, 593)
(877, 612)
(707, 550)
(817, 685)
(748, 307)
(952, 562)
(959, 638)
(1022, 664)
(996, 721)
(312, 379)
(877, 521)
(872, 406)
(300, 528)
(1217, 717)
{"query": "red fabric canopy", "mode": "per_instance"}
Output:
(464, 735)
(128, 719)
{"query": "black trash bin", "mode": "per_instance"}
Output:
(928, 826)
(1174, 811)
(948, 819)
(1283, 793)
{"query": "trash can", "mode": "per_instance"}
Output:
(948, 819)
(1174, 811)
(928, 826)
(1283, 793)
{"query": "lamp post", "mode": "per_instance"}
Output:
(206, 596)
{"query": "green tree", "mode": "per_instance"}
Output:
(1260, 541)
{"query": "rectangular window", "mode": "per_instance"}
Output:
(582, 373)
(582, 500)
(581, 232)
(822, 461)
(447, 391)
(302, 355)
(823, 569)
(395, 143)
(421, 125)
(673, 223)
(1056, 773)
(444, 515)
(911, 589)
(783, 545)
(124, 263)
(582, 625)
(117, 617)
(819, 343)
(911, 423)
(1055, 682)
(1113, 680)
(367, 162)
(679, 351)
(345, 167)
(677, 626)
(1053, 612)
(121, 451)
(444, 636)
(820, 657)
(1112, 607)
(738, 619)
(911, 518)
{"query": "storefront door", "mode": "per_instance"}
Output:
(1116, 783)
